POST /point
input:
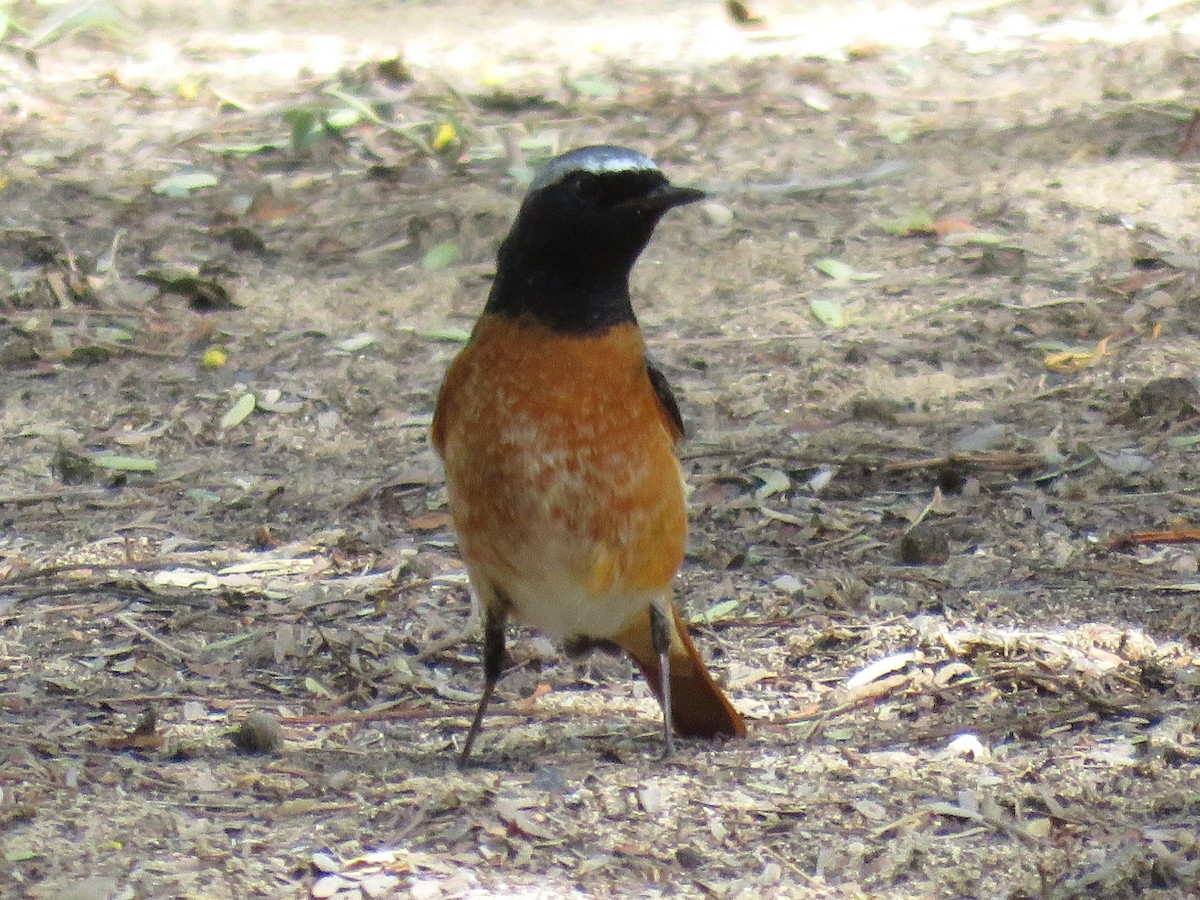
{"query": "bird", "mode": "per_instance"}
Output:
(558, 436)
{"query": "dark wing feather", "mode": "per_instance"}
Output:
(666, 399)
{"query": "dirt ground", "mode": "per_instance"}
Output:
(933, 337)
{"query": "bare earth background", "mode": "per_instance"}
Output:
(936, 384)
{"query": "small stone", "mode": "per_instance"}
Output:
(327, 886)
(789, 584)
(1169, 398)
(718, 214)
(325, 863)
(260, 733)
(924, 545)
(548, 778)
(968, 746)
(94, 888)
(380, 884)
(650, 797)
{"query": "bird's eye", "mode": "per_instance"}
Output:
(587, 187)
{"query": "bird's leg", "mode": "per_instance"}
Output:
(493, 662)
(660, 636)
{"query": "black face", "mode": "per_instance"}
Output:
(567, 259)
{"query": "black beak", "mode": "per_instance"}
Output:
(668, 197)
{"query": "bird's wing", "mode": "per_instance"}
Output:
(666, 401)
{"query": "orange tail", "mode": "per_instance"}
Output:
(698, 707)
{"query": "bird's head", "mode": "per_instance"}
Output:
(587, 216)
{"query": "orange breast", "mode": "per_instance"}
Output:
(560, 464)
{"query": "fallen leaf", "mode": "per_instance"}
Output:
(214, 358)
(315, 687)
(828, 312)
(718, 611)
(239, 412)
(917, 221)
(881, 667)
(145, 735)
(439, 256)
(203, 294)
(356, 342)
(742, 15)
(184, 184)
(241, 150)
(116, 462)
(943, 227)
(446, 135)
(430, 522)
(962, 238)
(1071, 360)
(596, 87)
(267, 207)
(1037, 828)
(840, 271)
(452, 335)
(774, 482)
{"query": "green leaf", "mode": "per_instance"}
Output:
(41, 159)
(1183, 440)
(439, 256)
(973, 238)
(375, 115)
(718, 611)
(450, 335)
(828, 312)
(356, 342)
(835, 269)
(240, 149)
(595, 86)
(341, 119)
(89, 355)
(202, 496)
(21, 854)
(229, 99)
(180, 186)
(112, 334)
(356, 107)
(240, 410)
(918, 221)
(231, 641)
(315, 687)
(774, 481)
(306, 127)
(840, 271)
(116, 462)
(80, 18)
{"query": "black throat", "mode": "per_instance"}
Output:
(575, 292)
(566, 261)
